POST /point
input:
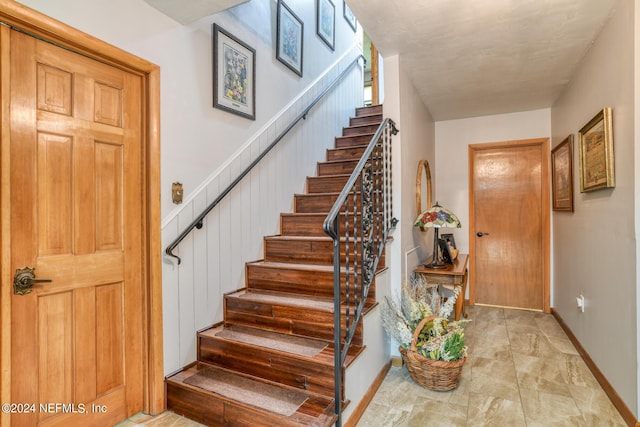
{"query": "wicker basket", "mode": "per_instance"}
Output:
(435, 375)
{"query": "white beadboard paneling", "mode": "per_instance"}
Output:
(200, 265)
(170, 308)
(186, 291)
(214, 258)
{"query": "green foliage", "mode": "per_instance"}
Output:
(439, 338)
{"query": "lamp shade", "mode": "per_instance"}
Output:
(437, 217)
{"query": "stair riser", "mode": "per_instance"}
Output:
(307, 252)
(314, 203)
(337, 168)
(365, 120)
(364, 111)
(345, 153)
(353, 141)
(359, 130)
(284, 319)
(326, 184)
(309, 225)
(271, 365)
(303, 282)
(212, 410)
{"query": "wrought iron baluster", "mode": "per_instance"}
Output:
(367, 223)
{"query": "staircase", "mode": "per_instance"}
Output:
(271, 361)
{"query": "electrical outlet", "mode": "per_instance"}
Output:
(580, 303)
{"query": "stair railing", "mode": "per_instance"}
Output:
(359, 224)
(198, 222)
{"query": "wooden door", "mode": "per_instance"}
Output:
(77, 217)
(509, 233)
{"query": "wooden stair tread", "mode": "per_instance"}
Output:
(300, 347)
(293, 266)
(286, 299)
(339, 161)
(315, 410)
(321, 268)
(353, 147)
(323, 357)
(306, 238)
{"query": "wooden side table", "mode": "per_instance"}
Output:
(453, 275)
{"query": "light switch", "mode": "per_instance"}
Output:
(176, 191)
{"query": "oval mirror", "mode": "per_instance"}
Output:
(423, 188)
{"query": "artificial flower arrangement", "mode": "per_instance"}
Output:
(432, 347)
(439, 339)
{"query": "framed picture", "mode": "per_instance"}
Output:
(289, 39)
(446, 251)
(234, 74)
(349, 16)
(449, 239)
(326, 22)
(596, 153)
(562, 175)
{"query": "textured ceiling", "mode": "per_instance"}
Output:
(469, 58)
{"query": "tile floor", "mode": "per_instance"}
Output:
(522, 370)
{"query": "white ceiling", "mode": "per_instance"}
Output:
(469, 58)
(192, 10)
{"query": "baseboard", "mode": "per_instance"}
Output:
(358, 411)
(617, 401)
(397, 362)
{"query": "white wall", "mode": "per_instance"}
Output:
(453, 138)
(206, 148)
(413, 143)
(596, 247)
(636, 145)
(196, 138)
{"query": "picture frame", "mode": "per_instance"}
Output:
(290, 38)
(447, 237)
(447, 256)
(596, 153)
(349, 16)
(562, 175)
(326, 22)
(234, 74)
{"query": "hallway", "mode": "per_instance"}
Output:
(522, 371)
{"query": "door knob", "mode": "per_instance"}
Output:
(24, 279)
(480, 234)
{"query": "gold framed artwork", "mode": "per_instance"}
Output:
(596, 153)
(562, 175)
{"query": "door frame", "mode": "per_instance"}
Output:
(545, 195)
(39, 25)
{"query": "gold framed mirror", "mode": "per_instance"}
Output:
(424, 191)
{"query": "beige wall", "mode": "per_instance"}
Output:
(595, 247)
(453, 138)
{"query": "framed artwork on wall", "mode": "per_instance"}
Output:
(562, 175)
(349, 16)
(289, 40)
(326, 22)
(596, 153)
(234, 74)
